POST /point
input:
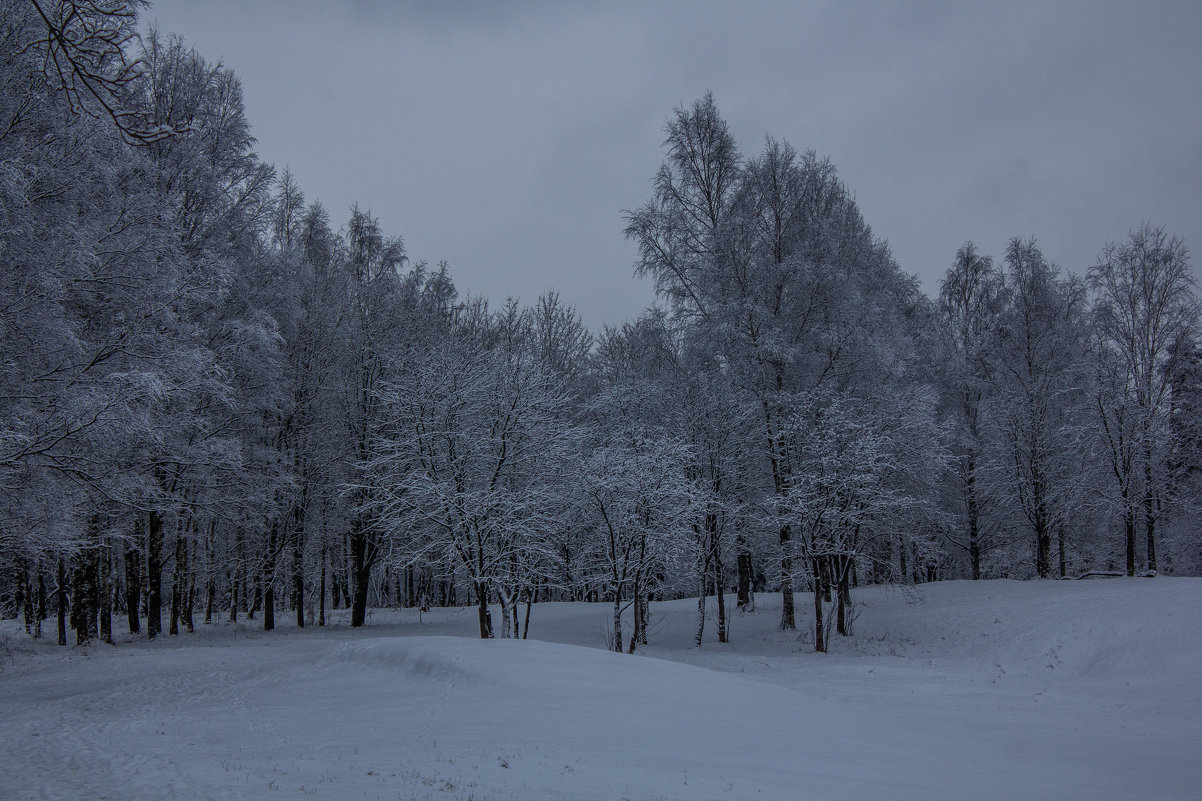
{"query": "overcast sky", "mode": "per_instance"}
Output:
(507, 138)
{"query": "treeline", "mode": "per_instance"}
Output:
(214, 404)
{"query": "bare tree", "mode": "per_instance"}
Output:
(1145, 309)
(85, 51)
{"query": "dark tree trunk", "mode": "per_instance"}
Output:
(1150, 499)
(617, 633)
(268, 606)
(636, 628)
(745, 577)
(83, 596)
(362, 556)
(974, 519)
(269, 580)
(530, 600)
(321, 591)
(234, 576)
(1060, 547)
(21, 596)
(298, 563)
(189, 583)
(257, 601)
(819, 590)
(105, 594)
(210, 573)
(133, 585)
(233, 618)
(715, 547)
(61, 593)
(1043, 543)
(482, 610)
(1151, 515)
(1129, 530)
(210, 598)
(179, 575)
(154, 575)
(788, 620)
(24, 600)
(41, 608)
(843, 621)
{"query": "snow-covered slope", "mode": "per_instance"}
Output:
(1001, 690)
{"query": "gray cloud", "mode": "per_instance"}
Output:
(507, 138)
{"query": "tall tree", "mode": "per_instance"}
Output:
(1144, 309)
(1040, 371)
(970, 300)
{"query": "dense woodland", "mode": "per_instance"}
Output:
(220, 401)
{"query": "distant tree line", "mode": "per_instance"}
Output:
(214, 404)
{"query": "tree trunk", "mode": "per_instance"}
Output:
(154, 575)
(189, 584)
(104, 594)
(1129, 530)
(746, 590)
(644, 616)
(61, 592)
(361, 563)
(843, 622)
(233, 618)
(41, 608)
(298, 563)
(819, 630)
(508, 613)
(482, 610)
(787, 619)
(1151, 514)
(715, 559)
(25, 594)
(1043, 545)
(269, 579)
(321, 592)
(257, 600)
(178, 576)
(210, 573)
(83, 596)
(638, 605)
(702, 585)
(1060, 547)
(974, 518)
(617, 642)
(530, 599)
(268, 606)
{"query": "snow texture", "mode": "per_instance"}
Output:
(955, 690)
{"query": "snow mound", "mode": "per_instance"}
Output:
(408, 658)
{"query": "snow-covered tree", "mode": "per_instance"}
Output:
(1145, 308)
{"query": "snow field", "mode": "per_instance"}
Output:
(993, 690)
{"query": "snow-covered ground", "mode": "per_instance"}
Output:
(994, 690)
